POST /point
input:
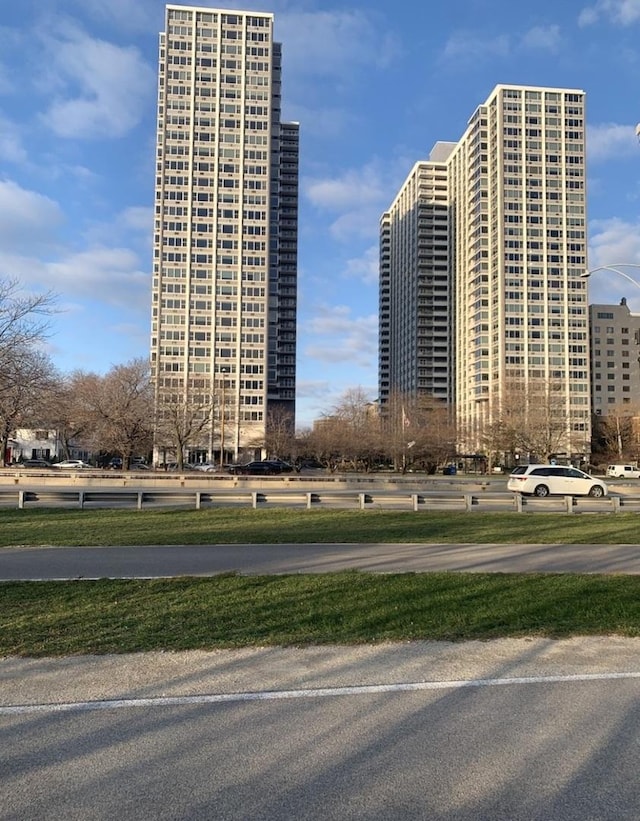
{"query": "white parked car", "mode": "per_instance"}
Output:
(554, 480)
(71, 464)
(623, 472)
(206, 467)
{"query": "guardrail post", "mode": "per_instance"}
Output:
(468, 502)
(568, 501)
(81, 499)
(139, 500)
(254, 499)
(615, 503)
(519, 502)
(309, 500)
(415, 499)
(20, 499)
(198, 499)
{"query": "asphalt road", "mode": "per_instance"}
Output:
(204, 560)
(493, 731)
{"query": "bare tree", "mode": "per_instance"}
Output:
(24, 320)
(531, 420)
(26, 373)
(428, 431)
(183, 423)
(616, 430)
(27, 377)
(280, 435)
(419, 431)
(121, 405)
(355, 429)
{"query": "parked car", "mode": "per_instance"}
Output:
(115, 463)
(71, 464)
(34, 463)
(556, 480)
(173, 466)
(280, 465)
(311, 464)
(623, 472)
(206, 467)
(450, 470)
(263, 468)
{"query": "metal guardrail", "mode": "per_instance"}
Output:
(136, 498)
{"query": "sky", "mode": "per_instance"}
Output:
(373, 85)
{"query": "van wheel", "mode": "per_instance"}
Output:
(541, 490)
(596, 491)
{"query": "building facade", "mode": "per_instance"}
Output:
(415, 302)
(615, 361)
(518, 331)
(223, 338)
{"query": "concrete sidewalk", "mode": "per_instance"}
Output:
(156, 675)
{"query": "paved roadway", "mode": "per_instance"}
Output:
(205, 560)
(487, 731)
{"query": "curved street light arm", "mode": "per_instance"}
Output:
(616, 269)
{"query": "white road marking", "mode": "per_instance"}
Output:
(321, 692)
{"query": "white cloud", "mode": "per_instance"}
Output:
(11, 147)
(6, 86)
(614, 241)
(108, 275)
(31, 252)
(468, 46)
(611, 140)
(338, 193)
(321, 122)
(138, 218)
(620, 12)
(358, 196)
(333, 44)
(365, 267)
(339, 337)
(127, 15)
(464, 47)
(542, 38)
(101, 88)
(27, 219)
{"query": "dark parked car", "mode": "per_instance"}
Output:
(280, 465)
(256, 469)
(34, 463)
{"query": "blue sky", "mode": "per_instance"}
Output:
(373, 84)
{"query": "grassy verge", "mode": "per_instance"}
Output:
(234, 526)
(112, 616)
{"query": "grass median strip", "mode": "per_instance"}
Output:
(236, 526)
(118, 616)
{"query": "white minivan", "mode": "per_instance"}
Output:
(556, 480)
(623, 472)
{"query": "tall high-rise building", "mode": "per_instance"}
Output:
(223, 341)
(415, 305)
(511, 266)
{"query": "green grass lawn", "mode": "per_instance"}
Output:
(240, 525)
(116, 616)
